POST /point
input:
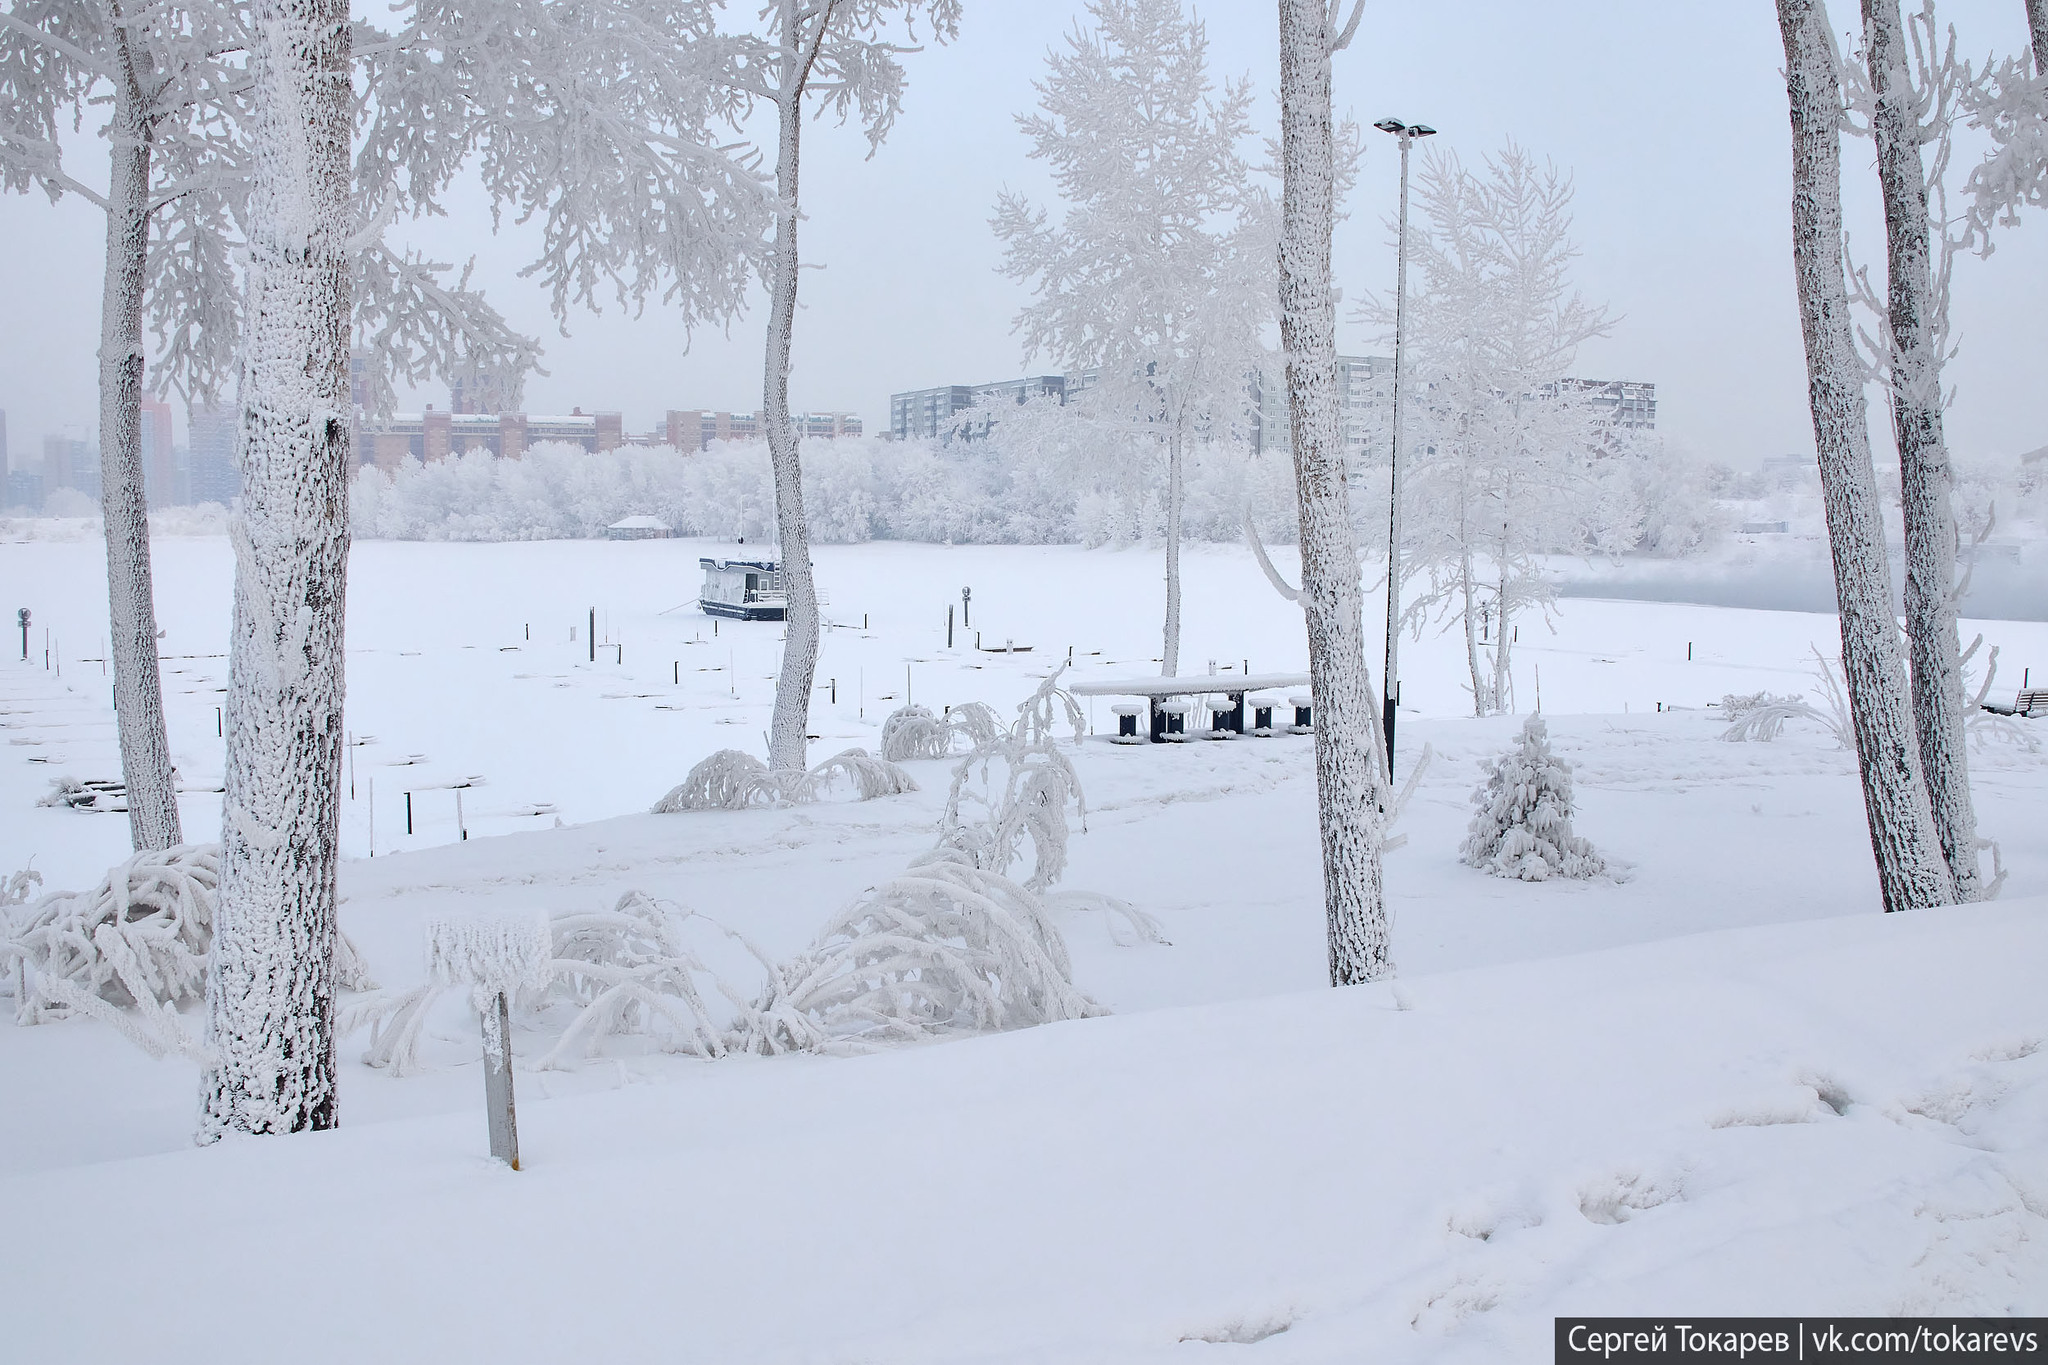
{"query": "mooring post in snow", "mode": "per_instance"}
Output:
(834, 684)
(22, 617)
(966, 596)
(949, 625)
(408, 812)
(593, 635)
(496, 959)
(460, 824)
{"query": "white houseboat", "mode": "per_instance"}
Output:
(744, 589)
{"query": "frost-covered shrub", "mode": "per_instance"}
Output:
(1522, 816)
(1761, 715)
(953, 944)
(733, 779)
(914, 732)
(128, 952)
(946, 947)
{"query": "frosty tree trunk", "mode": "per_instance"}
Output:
(1468, 589)
(1349, 794)
(270, 995)
(131, 600)
(2037, 24)
(792, 715)
(1910, 868)
(1925, 474)
(1170, 664)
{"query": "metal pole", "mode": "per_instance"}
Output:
(1391, 679)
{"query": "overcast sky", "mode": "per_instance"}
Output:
(1669, 113)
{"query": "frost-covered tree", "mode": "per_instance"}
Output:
(2010, 103)
(1911, 869)
(270, 993)
(1903, 115)
(168, 77)
(836, 55)
(1501, 449)
(175, 83)
(1522, 816)
(1156, 278)
(1353, 797)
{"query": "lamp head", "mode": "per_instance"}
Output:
(1391, 125)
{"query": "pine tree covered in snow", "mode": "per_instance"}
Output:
(1522, 816)
(1156, 279)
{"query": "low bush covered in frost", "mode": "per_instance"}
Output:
(1522, 816)
(955, 943)
(733, 779)
(914, 732)
(128, 952)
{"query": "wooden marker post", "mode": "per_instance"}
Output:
(496, 959)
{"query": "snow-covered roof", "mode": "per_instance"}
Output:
(639, 524)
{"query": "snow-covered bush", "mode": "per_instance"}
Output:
(733, 779)
(953, 944)
(1522, 816)
(914, 732)
(128, 952)
(1761, 715)
(946, 947)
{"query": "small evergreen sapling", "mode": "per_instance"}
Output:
(1522, 816)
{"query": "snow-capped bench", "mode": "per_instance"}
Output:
(1156, 692)
(1127, 714)
(2031, 700)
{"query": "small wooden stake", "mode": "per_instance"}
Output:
(498, 1111)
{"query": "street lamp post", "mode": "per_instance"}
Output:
(1391, 679)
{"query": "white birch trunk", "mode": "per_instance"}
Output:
(1466, 592)
(791, 718)
(1911, 871)
(131, 599)
(1350, 796)
(1926, 476)
(270, 993)
(1170, 664)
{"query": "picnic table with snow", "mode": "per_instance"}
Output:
(1234, 686)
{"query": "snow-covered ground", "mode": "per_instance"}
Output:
(1722, 1084)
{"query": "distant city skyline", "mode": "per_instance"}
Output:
(1681, 216)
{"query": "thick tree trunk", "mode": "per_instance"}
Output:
(792, 716)
(270, 995)
(1350, 795)
(1926, 477)
(131, 598)
(1910, 868)
(2037, 24)
(1170, 664)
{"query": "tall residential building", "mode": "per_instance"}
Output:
(160, 482)
(930, 413)
(1364, 384)
(68, 462)
(1624, 403)
(210, 461)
